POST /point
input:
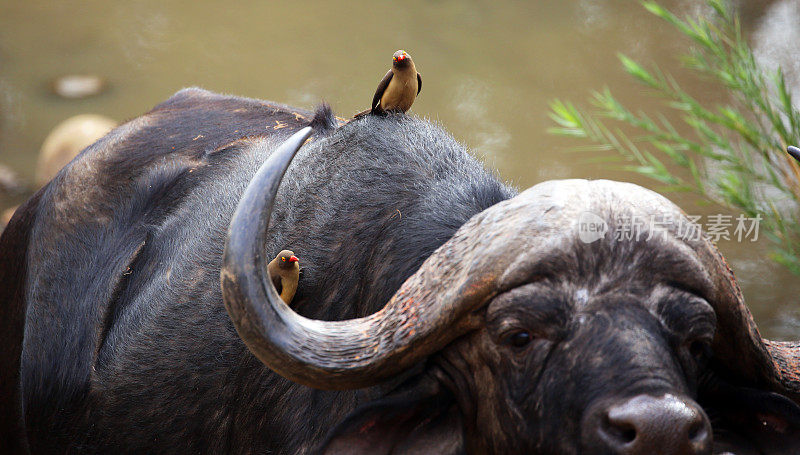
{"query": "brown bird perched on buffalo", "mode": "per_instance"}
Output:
(399, 87)
(284, 271)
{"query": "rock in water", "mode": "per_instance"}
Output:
(78, 85)
(67, 140)
(10, 182)
(5, 217)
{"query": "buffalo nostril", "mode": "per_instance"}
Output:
(628, 435)
(619, 431)
(698, 431)
(646, 424)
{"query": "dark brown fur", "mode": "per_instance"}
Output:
(129, 347)
(114, 271)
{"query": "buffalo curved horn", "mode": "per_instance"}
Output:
(786, 360)
(738, 345)
(772, 365)
(342, 354)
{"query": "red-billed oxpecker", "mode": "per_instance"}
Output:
(399, 87)
(284, 271)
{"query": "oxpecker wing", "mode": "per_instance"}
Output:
(794, 151)
(376, 99)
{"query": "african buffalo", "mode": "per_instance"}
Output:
(438, 311)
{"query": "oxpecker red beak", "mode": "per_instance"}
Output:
(293, 259)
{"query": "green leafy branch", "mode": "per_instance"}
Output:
(732, 153)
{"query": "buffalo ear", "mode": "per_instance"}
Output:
(764, 422)
(413, 422)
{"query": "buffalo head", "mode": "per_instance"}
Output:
(535, 330)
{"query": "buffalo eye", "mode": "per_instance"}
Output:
(698, 349)
(520, 339)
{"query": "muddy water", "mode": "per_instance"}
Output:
(489, 70)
